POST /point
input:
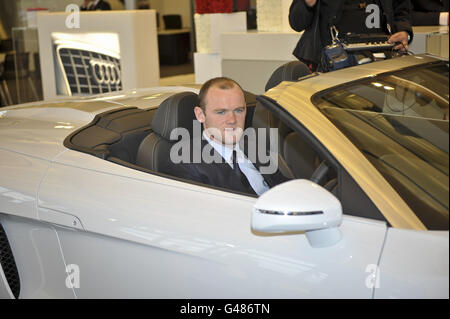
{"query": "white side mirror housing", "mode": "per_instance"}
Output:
(299, 205)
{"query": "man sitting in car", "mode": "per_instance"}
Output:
(222, 113)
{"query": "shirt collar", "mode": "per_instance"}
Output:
(224, 151)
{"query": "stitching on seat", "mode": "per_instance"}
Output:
(166, 119)
(153, 166)
(175, 111)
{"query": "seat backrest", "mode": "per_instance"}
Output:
(291, 71)
(263, 118)
(177, 111)
(299, 156)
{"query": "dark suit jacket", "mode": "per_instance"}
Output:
(426, 12)
(218, 173)
(302, 17)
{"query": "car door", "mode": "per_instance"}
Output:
(126, 233)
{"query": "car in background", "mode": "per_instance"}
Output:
(86, 213)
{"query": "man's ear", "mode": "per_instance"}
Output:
(199, 114)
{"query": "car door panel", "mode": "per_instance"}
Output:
(148, 236)
(199, 267)
(20, 178)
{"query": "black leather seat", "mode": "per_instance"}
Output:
(291, 71)
(296, 159)
(299, 156)
(175, 112)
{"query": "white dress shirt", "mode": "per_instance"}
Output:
(253, 175)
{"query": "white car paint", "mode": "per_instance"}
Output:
(427, 253)
(201, 246)
(134, 234)
(188, 237)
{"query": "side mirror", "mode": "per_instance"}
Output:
(299, 205)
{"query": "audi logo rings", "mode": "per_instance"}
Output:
(105, 72)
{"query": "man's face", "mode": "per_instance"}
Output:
(224, 115)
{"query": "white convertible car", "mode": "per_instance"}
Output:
(86, 213)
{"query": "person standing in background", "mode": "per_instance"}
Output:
(430, 12)
(90, 5)
(317, 17)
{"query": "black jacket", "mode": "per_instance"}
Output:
(101, 5)
(426, 12)
(218, 173)
(317, 30)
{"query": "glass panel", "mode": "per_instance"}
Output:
(22, 66)
(400, 123)
(419, 92)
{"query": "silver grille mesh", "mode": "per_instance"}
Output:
(90, 72)
(8, 264)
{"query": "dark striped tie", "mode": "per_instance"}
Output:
(239, 173)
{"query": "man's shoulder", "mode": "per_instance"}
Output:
(195, 160)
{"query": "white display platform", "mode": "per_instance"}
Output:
(132, 34)
(259, 54)
(207, 66)
(208, 28)
(273, 15)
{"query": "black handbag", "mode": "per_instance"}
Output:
(334, 56)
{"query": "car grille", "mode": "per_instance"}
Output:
(90, 72)
(8, 264)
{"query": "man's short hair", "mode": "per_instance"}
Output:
(222, 83)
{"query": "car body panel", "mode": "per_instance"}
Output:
(5, 290)
(223, 265)
(411, 275)
(126, 206)
(37, 253)
(328, 80)
(193, 243)
(20, 179)
(40, 129)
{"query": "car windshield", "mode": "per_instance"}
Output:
(399, 122)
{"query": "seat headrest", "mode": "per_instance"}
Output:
(291, 71)
(175, 112)
(263, 118)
